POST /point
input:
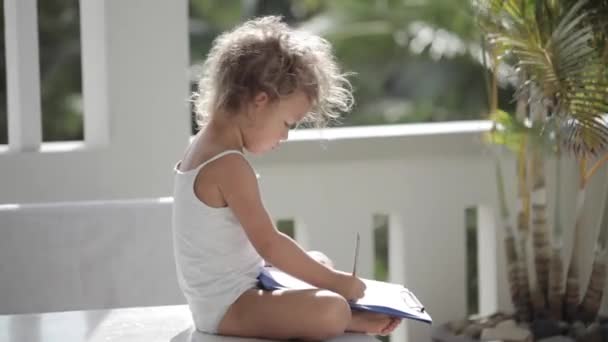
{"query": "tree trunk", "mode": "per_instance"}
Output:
(572, 295)
(555, 295)
(540, 235)
(595, 289)
(593, 296)
(523, 228)
(513, 274)
(556, 288)
(523, 285)
(572, 292)
(510, 246)
(540, 232)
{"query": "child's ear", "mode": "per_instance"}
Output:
(261, 99)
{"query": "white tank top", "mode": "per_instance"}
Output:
(215, 260)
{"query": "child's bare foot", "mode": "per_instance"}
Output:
(363, 321)
(394, 324)
(372, 323)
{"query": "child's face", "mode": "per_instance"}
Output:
(271, 121)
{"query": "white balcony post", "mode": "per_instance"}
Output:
(93, 22)
(433, 260)
(396, 269)
(23, 75)
(487, 260)
(301, 233)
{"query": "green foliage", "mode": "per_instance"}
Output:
(373, 38)
(513, 134)
(381, 247)
(398, 82)
(395, 82)
(555, 49)
(287, 227)
(507, 131)
(60, 72)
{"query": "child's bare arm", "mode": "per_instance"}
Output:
(239, 188)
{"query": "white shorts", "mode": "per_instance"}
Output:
(207, 313)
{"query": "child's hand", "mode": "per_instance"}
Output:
(348, 286)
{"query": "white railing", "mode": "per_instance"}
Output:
(78, 255)
(136, 114)
(116, 253)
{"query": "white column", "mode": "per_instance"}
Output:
(301, 233)
(396, 264)
(487, 260)
(23, 75)
(433, 260)
(93, 21)
(147, 56)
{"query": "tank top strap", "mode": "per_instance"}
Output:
(216, 157)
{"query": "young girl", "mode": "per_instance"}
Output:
(259, 80)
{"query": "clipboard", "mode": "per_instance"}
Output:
(380, 297)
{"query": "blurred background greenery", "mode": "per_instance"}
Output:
(60, 71)
(415, 60)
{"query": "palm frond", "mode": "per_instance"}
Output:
(570, 20)
(585, 136)
(560, 56)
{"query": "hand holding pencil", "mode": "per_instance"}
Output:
(349, 287)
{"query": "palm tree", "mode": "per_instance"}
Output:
(558, 52)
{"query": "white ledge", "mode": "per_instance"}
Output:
(379, 131)
(81, 204)
(50, 147)
(323, 134)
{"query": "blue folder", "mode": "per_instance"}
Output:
(381, 297)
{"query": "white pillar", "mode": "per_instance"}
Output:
(148, 56)
(23, 75)
(301, 233)
(93, 22)
(433, 260)
(396, 261)
(487, 260)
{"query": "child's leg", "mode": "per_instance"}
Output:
(363, 322)
(284, 314)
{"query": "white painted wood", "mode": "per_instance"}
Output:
(95, 70)
(136, 111)
(487, 263)
(22, 75)
(396, 271)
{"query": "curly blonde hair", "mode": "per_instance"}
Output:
(266, 55)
